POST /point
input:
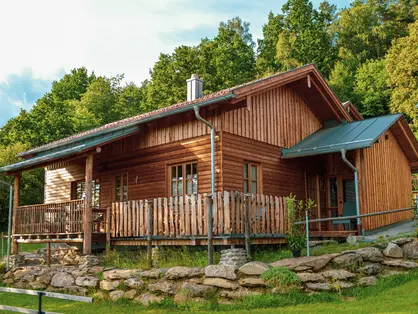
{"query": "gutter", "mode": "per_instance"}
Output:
(343, 156)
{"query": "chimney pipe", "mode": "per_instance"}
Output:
(194, 87)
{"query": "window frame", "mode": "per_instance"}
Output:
(74, 191)
(184, 179)
(250, 180)
(121, 194)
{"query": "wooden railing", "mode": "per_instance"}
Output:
(176, 217)
(58, 218)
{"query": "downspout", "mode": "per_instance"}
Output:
(212, 168)
(359, 229)
(9, 226)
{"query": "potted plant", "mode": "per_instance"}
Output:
(296, 211)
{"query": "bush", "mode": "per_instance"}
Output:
(281, 278)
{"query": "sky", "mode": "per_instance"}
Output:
(44, 39)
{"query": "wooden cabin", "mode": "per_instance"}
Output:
(287, 133)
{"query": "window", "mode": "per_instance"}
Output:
(251, 182)
(121, 188)
(78, 191)
(183, 179)
(333, 192)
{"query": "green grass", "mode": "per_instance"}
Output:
(396, 294)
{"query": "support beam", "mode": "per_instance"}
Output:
(88, 219)
(16, 202)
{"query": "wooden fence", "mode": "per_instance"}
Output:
(66, 217)
(176, 217)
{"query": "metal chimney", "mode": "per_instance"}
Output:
(194, 87)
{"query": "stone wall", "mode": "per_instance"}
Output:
(331, 272)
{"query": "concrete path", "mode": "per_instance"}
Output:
(407, 227)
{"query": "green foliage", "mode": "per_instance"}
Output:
(281, 278)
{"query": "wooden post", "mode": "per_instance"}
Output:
(107, 227)
(247, 227)
(48, 254)
(16, 202)
(87, 219)
(149, 211)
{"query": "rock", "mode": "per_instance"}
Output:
(88, 261)
(96, 270)
(233, 257)
(79, 273)
(393, 250)
(252, 282)
(402, 241)
(163, 286)
(348, 260)
(134, 283)
(370, 254)
(304, 263)
(310, 277)
(220, 283)
(70, 258)
(116, 295)
(342, 285)
(120, 274)
(182, 272)
(155, 273)
(8, 281)
(77, 290)
(130, 294)
(400, 263)
(182, 298)
(109, 285)
(220, 271)
(19, 274)
(254, 268)
(370, 269)
(147, 298)
(410, 250)
(237, 294)
(100, 295)
(193, 290)
(339, 274)
(37, 285)
(62, 280)
(318, 286)
(367, 281)
(87, 281)
(17, 260)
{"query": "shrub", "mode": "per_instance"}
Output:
(281, 278)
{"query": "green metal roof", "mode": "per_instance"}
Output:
(69, 149)
(348, 136)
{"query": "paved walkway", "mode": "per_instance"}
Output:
(406, 227)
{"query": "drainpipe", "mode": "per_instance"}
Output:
(359, 229)
(212, 167)
(9, 226)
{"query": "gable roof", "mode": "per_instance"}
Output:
(352, 110)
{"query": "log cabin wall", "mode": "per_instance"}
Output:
(385, 182)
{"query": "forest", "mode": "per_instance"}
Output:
(368, 52)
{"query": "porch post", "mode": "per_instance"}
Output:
(16, 202)
(87, 219)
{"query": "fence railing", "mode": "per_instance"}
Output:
(66, 217)
(177, 217)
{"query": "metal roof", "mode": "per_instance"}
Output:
(69, 149)
(348, 136)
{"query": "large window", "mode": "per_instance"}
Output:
(183, 179)
(251, 178)
(121, 188)
(78, 191)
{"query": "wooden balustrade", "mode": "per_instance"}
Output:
(186, 216)
(58, 218)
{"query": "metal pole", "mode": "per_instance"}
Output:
(40, 294)
(308, 253)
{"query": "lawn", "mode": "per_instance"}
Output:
(397, 294)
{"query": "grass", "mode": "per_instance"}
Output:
(396, 294)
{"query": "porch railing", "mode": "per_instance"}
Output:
(179, 217)
(58, 218)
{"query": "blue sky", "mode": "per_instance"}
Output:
(49, 38)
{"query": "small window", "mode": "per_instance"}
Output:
(121, 188)
(333, 192)
(183, 179)
(251, 181)
(78, 191)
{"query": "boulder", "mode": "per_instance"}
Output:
(96, 270)
(252, 282)
(400, 263)
(87, 281)
(88, 261)
(370, 254)
(155, 273)
(220, 271)
(402, 241)
(310, 277)
(193, 290)
(393, 250)
(237, 294)
(62, 280)
(37, 285)
(318, 286)
(348, 259)
(131, 294)
(254, 268)
(120, 274)
(163, 286)
(367, 281)
(370, 269)
(183, 272)
(134, 283)
(116, 295)
(410, 250)
(77, 290)
(109, 285)
(221, 283)
(338, 274)
(303, 263)
(147, 298)
(342, 285)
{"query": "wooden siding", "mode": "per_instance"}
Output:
(277, 116)
(385, 182)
